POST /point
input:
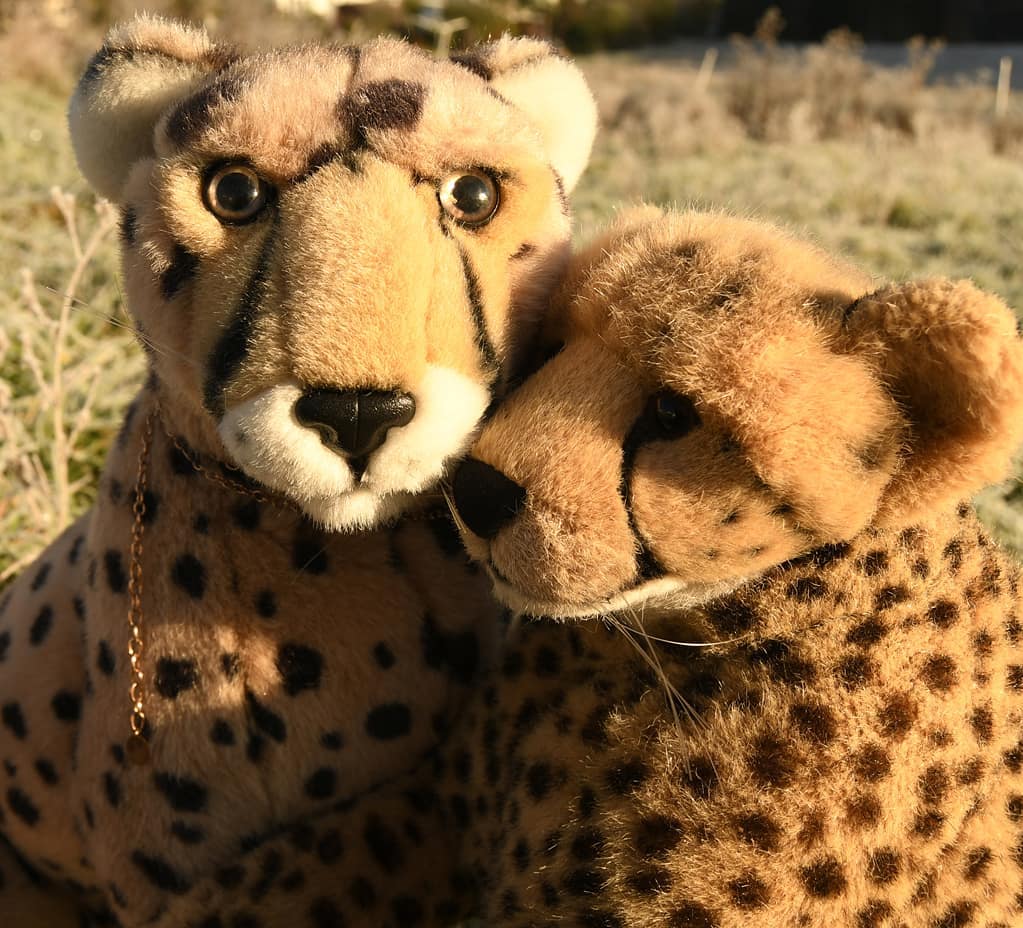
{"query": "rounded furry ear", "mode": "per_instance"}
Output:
(952, 359)
(549, 89)
(144, 66)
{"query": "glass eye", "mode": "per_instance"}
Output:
(236, 194)
(676, 415)
(471, 199)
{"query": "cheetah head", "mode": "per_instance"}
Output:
(727, 398)
(333, 254)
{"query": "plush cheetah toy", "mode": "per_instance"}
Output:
(331, 255)
(744, 448)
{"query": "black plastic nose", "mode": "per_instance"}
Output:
(354, 422)
(485, 498)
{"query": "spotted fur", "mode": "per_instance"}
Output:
(843, 746)
(287, 665)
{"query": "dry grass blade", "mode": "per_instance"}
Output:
(64, 387)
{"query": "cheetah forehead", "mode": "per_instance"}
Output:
(679, 294)
(290, 110)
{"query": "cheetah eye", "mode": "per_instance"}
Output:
(236, 194)
(471, 198)
(676, 415)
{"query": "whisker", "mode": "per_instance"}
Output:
(87, 310)
(658, 670)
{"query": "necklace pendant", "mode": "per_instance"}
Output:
(137, 750)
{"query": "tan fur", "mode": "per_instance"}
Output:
(286, 667)
(842, 746)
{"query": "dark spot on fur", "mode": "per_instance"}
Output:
(814, 721)
(958, 915)
(300, 667)
(897, 716)
(47, 772)
(627, 777)
(322, 784)
(246, 514)
(866, 633)
(749, 892)
(309, 556)
(759, 830)
(855, 671)
(772, 761)
(692, 915)
(222, 733)
(117, 580)
(14, 720)
(983, 724)
(656, 835)
(953, 554)
(731, 617)
(928, 824)
(183, 794)
(22, 806)
(872, 763)
(105, 659)
(187, 834)
(884, 866)
(700, 777)
(160, 873)
(873, 563)
(41, 626)
(863, 811)
(189, 574)
(389, 721)
(939, 673)
(807, 589)
(382, 842)
(890, 596)
(783, 661)
(174, 677)
(112, 789)
(824, 879)
(943, 613)
(41, 576)
(978, 860)
(67, 706)
(265, 719)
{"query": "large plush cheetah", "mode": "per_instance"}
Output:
(331, 255)
(742, 448)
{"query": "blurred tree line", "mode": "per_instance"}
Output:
(883, 20)
(580, 25)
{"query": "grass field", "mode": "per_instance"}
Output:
(906, 179)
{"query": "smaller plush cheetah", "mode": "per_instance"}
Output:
(740, 446)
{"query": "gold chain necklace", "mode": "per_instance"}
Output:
(137, 747)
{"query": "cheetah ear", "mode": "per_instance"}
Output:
(951, 357)
(144, 66)
(549, 89)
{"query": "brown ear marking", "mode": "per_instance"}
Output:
(191, 117)
(482, 61)
(215, 58)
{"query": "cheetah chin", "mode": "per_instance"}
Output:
(664, 593)
(271, 446)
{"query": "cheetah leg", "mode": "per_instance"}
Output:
(386, 861)
(27, 900)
